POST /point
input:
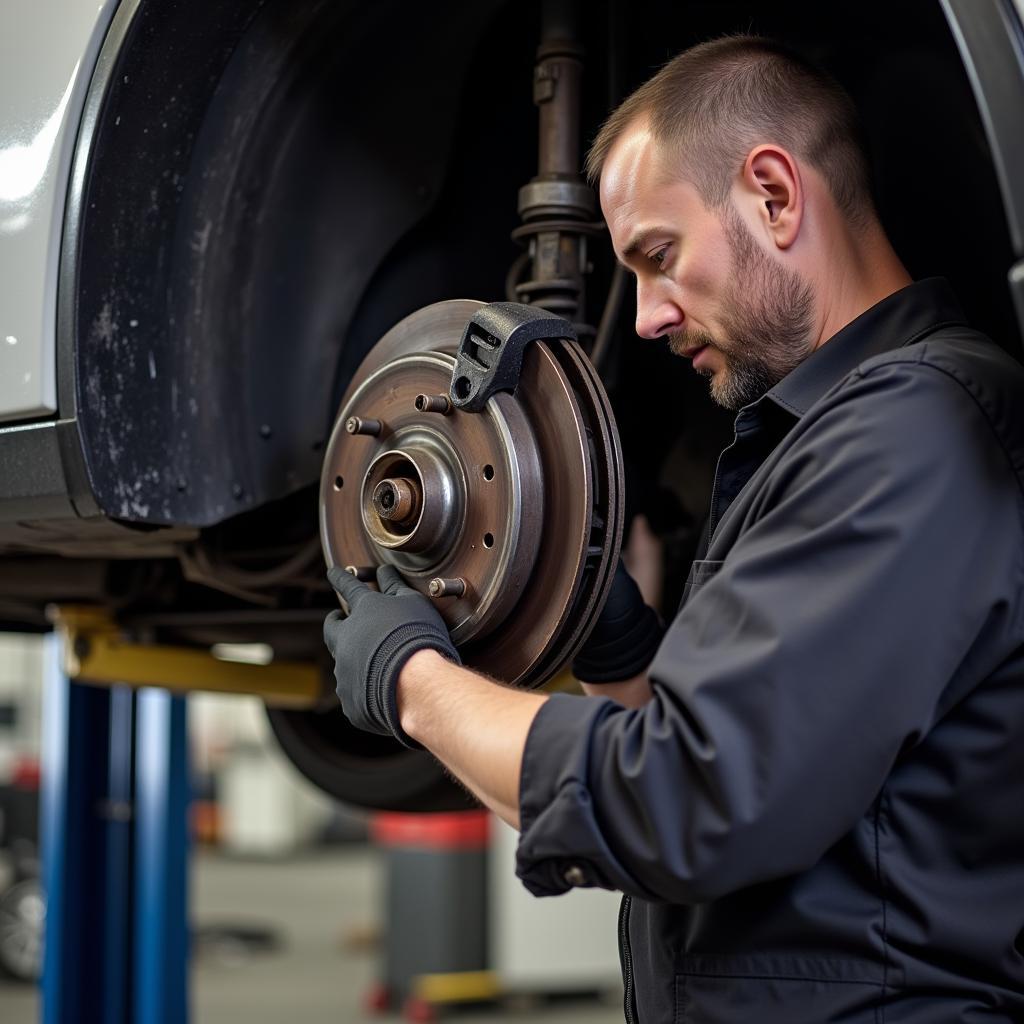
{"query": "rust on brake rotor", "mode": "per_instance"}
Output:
(510, 519)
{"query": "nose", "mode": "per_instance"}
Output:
(656, 314)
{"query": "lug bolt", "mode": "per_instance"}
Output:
(434, 403)
(439, 587)
(355, 425)
(365, 573)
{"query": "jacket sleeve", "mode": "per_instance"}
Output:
(838, 629)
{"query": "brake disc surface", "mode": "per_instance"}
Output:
(509, 519)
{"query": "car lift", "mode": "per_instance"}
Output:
(114, 804)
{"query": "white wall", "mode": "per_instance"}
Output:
(21, 683)
(267, 808)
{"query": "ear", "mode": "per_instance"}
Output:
(771, 176)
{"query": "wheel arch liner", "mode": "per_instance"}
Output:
(202, 307)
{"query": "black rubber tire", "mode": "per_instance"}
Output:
(22, 924)
(362, 769)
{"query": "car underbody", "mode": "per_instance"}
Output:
(261, 191)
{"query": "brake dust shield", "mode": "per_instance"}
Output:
(508, 519)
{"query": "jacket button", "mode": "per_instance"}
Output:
(574, 875)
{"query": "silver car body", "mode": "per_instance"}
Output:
(44, 78)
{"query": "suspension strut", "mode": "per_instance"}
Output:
(557, 207)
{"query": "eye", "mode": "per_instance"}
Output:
(659, 255)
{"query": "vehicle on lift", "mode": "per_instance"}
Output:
(211, 213)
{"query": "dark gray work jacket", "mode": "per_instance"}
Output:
(820, 815)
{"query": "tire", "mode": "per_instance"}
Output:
(362, 769)
(22, 924)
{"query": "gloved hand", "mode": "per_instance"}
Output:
(370, 646)
(625, 637)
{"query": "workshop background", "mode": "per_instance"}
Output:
(303, 909)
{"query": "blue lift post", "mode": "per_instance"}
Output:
(115, 853)
(161, 859)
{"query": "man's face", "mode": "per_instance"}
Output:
(703, 279)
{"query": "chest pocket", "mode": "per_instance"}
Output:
(702, 570)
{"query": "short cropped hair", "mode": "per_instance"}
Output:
(716, 101)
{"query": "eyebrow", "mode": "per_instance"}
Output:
(638, 242)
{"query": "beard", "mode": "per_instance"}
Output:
(766, 322)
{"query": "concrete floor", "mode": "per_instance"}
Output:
(324, 911)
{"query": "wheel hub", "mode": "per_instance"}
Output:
(510, 519)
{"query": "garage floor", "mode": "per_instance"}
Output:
(323, 911)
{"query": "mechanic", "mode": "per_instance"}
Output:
(809, 787)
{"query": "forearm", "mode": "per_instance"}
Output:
(631, 693)
(475, 727)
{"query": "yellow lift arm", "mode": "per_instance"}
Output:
(97, 652)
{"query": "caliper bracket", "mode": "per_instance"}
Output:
(490, 354)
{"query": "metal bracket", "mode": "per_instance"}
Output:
(97, 652)
(490, 354)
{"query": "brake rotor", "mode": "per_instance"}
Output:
(509, 519)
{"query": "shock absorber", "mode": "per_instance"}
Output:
(557, 207)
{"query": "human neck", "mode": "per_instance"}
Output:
(866, 271)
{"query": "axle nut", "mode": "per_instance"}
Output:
(396, 500)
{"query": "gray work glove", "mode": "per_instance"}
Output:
(370, 646)
(625, 637)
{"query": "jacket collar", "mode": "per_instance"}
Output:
(898, 320)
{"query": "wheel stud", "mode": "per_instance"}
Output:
(439, 587)
(355, 425)
(434, 403)
(365, 573)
